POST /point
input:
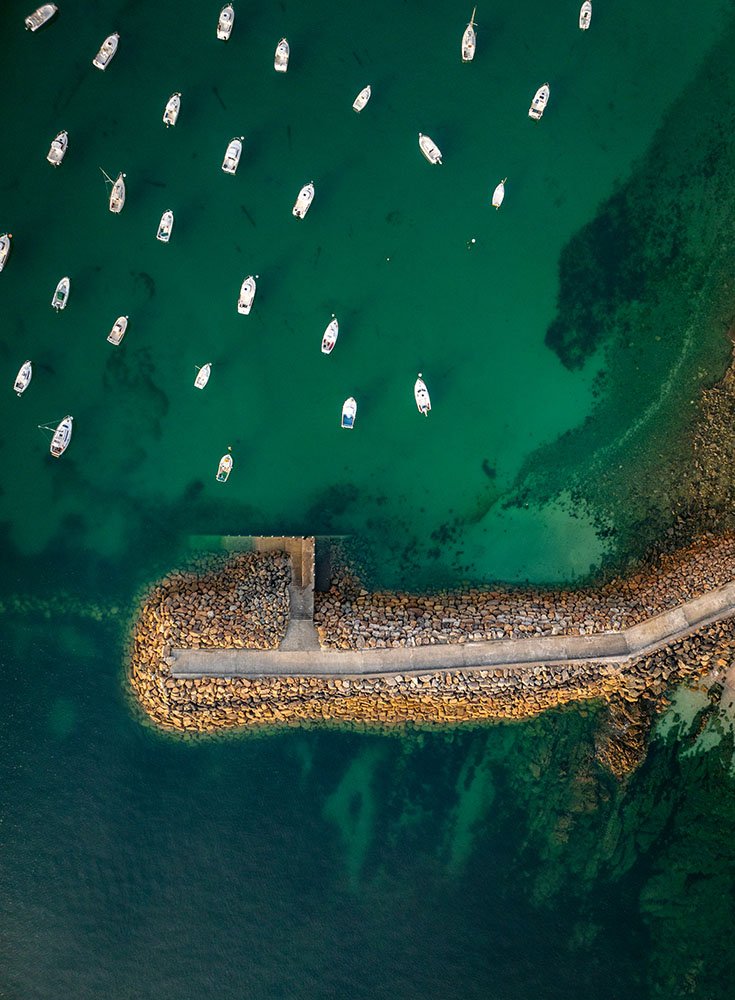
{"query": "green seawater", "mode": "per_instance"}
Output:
(564, 350)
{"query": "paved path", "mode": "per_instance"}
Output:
(615, 647)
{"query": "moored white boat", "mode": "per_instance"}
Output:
(224, 469)
(499, 193)
(349, 412)
(283, 51)
(247, 294)
(330, 336)
(585, 15)
(429, 148)
(421, 395)
(117, 332)
(117, 192)
(469, 40)
(171, 111)
(303, 201)
(539, 102)
(40, 16)
(6, 240)
(165, 226)
(362, 98)
(107, 50)
(225, 22)
(61, 295)
(202, 376)
(23, 378)
(57, 150)
(62, 437)
(232, 155)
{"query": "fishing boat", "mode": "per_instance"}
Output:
(107, 50)
(225, 468)
(232, 155)
(23, 378)
(117, 332)
(202, 377)
(283, 51)
(247, 294)
(499, 193)
(117, 192)
(539, 102)
(304, 200)
(57, 150)
(421, 395)
(5, 244)
(330, 336)
(429, 148)
(225, 22)
(362, 98)
(171, 111)
(349, 412)
(165, 226)
(62, 437)
(61, 295)
(40, 16)
(585, 15)
(469, 40)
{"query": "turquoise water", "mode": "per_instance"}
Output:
(562, 350)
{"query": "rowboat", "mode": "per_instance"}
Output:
(225, 22)
(57, 149)
(585, 15)
(225, 468)
(117, 192)
(171, 111)
(330, 336)
(283, 51)
(23, 378)
(117, 332)
(349, 412)
(232, 155)
(539, 102)
(40, 16)
(362, 98)
(499, 193)
(421, 395)
(429, 148)
(247, 294)
(165, 226)
(303, 201)
(469, 40)
(5, 244)
(106, 52)
(62, 437)
(202, 377)
(61, 295)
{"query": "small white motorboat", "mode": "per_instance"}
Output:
(203, 374)
(225, 22)
(247, 294)
(171, 111)
(225, 468)
(62, 437)
(421, 395)
(107, 50)
(232, 155)
(61, 295)
(117, 332)
(349, 412)
(429, 148)
(40, 16)
(283, 51)
(469, 40)
(117, 192)
(362, 98)
(23, 378)
(165, 226)
(499, 193)
(303, 201)
(5, 244)
(539, 102)
(57, 150)
(330, 336)
(585, 15)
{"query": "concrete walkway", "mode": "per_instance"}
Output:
(507, 654)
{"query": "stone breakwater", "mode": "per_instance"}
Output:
(347, 616)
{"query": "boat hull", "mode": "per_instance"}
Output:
(303, 201)
(349, 412)
(539, 102)
(283, 52)
(106, 52)
(469, 43)
(421, 395)
(362, 98)
(232, 156)
(40, 16)
(5, 244)
(61, 295)
(203, 376)
(585, 15)
(171, 111)
(226, 23)
(247, 294)
(330, 336)
(117, 195)
(429, 149)
(62, 437)
(165, 227)
(224, 469)
(118, 330)
(57, 150)
(23, 378)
